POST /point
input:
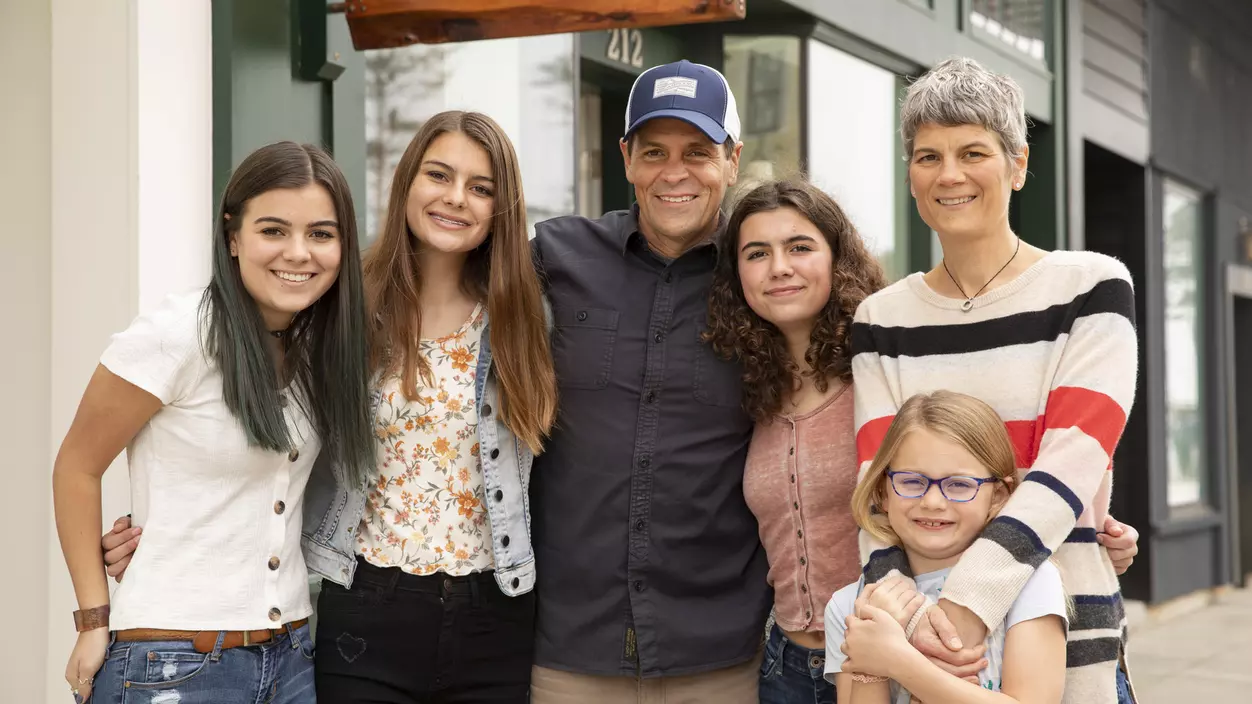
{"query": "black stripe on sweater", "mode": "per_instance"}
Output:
(1079, 653)
(1058, 487)
(883, 561)
(1108, 296)
(1092, 612)
(1018, 539)
(1082, 535)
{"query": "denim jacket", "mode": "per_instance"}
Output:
(333, 509)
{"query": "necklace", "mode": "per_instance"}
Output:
(969, 300)
(280, 334)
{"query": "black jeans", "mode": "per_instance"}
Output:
(396, 638)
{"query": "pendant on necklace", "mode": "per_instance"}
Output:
(967, 305)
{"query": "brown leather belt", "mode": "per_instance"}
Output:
(204, 641)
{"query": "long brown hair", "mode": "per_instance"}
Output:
(961, 418)
(736, 331)
(500, 271)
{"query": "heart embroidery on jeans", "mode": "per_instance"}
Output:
(350, 647)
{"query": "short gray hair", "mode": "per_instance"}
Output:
(959, 91)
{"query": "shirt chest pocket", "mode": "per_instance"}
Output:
(582, 347)
(716, 381)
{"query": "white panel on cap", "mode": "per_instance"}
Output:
(731, 123)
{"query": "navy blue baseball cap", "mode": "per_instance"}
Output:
(694, 93)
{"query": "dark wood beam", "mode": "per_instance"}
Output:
(378, 24)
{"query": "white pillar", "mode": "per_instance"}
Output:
(107, 117)
(25, 318)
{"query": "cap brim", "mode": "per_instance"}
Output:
(699, 120)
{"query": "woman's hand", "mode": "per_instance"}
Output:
(1121, 541)
(874, 643)
(895, 594)
(85, 661)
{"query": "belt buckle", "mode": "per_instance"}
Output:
(247, 638)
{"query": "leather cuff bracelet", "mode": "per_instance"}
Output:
(91, 619)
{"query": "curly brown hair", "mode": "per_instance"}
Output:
(737, 332)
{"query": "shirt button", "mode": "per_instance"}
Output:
(795, 505)
(487, 410)
(645, 462)
(495, 454)
(804, 588)
(516, 582)
(505, 541)
(499, 495)
(799, 534)
(638, 585)
(803, 561)
(792, 451)
(793, 479)
(808, 614)
(275, 614)
(651, 397)
(279, 507)
(639, 524)
(293, 455)
(582, 315)
(659, 337)
(274, 562)
(669, 276)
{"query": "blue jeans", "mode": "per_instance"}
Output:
(165, 672)
(792, 674)
(1123, 687)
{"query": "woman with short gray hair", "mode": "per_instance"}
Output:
(1047, 339)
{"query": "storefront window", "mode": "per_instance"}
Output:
(764, 75)
(1183, 400)
(852, 147)
(526, 85)
(1021, 24)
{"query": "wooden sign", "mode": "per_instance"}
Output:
(378, 24)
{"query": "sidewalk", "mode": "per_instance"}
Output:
(1198, 656)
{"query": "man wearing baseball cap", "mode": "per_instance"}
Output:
(652, 579)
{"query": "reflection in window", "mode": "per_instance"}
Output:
(852, 150)
(1021, 24)
(1183, 398)
(526, 85)
(764, 75)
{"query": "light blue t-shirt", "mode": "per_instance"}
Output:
(1043, 595)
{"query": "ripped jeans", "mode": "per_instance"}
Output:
(397, 638)
(172, 672)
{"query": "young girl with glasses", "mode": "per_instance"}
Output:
(943, 471)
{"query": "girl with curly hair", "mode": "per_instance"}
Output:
(791, 272)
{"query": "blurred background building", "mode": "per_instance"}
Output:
(121, 121)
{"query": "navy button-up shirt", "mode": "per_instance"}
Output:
(649, 560)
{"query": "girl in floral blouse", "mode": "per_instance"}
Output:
(428, 564)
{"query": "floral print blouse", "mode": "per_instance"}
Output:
(426, 512)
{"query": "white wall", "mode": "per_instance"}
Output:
(106, 133)
(175, 149)
(25, 309)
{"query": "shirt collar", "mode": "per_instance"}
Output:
(630, 231)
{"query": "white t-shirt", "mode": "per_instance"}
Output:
(1043, 595)
(221, 542)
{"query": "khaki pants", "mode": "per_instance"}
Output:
(733, 685)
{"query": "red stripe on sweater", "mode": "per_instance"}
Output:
(869, 438)
(1092, 412)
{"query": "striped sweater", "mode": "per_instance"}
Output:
(1054, 352)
